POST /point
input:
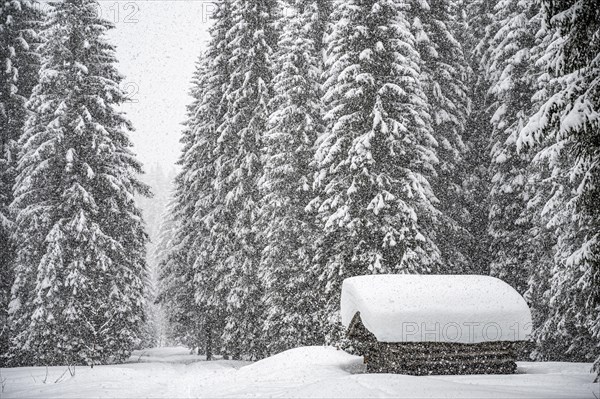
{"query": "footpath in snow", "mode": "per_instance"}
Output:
(302, 372)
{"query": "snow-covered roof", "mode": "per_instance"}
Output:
(436, 308)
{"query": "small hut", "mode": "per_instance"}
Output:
(435, 324)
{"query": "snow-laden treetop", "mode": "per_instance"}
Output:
(436, 308)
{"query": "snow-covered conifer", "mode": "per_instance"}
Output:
(193, 190)
(205, 122)
(475, 29)
(375, 202)
(292, 295)
(512, 74)
(153, 210)
(234, 221)
(176, 284)
(165, 279)
(564, 136)
(19, 23)
(443, 75)
(78, 292)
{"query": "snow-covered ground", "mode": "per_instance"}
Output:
(302, 372)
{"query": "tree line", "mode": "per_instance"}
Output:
(333, 138)
(326, 139)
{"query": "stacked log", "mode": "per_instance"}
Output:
(433, 358)
(439, 358)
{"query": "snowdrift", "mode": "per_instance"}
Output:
(319, 372)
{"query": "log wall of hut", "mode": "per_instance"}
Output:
(433, 358)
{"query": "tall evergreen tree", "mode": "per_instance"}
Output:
(192, 188)
(176, 284)
(209, 116)
(178, 288)
(154, 213)
(191, 260)
(234, 220)
(443, 75)
(165, 300)
(375, 201)
(565, 131)
(295, 123)
(78, 293)
(478, 29)
(19, 26)
(512, 74)
(540, 260)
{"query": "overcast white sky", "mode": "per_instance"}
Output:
(158, 44)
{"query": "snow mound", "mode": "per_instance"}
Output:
(436, 308)
(318, 372)
(326, 356)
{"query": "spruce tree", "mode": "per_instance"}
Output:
(289, 232)
(155, 217)
(512, 74)
(176, 285)
(211, 114)
(78, 295)
(564, 136)
(164, 300)
(235, 238)
(178, 273)
(192, 187)
(197, 307)
(540, 261)
(475, 30)
(443, 75)
(375, 202)
(19, 40)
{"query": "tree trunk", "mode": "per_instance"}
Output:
(209, 354)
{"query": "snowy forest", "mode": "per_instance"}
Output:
(326, 139)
